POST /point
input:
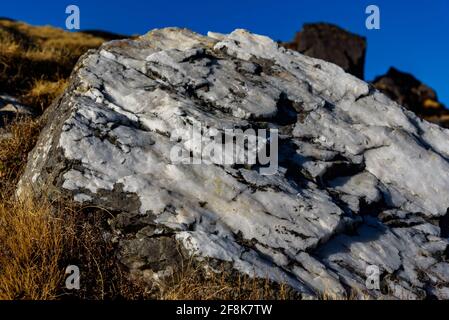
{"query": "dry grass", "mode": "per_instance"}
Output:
(36, 61)
(31, 244)
(38, 240)
(43, 92)
(192, 282)
(14, 152)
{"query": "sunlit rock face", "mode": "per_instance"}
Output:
(360, 181)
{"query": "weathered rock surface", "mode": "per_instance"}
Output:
(411, 93)
(334, 44)
(361, 180)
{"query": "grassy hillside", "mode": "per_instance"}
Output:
(35, 62)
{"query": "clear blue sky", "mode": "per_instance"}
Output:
(414, 35)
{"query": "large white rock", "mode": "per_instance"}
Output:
(361, 181)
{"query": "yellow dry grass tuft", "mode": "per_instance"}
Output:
(31, 244)
(14, 152)
(43, 92)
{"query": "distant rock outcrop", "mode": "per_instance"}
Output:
(331, 43)
(411, 93)
(361, 181)
(348, 50)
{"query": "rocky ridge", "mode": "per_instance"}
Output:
(361, 180)
(333, 44)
